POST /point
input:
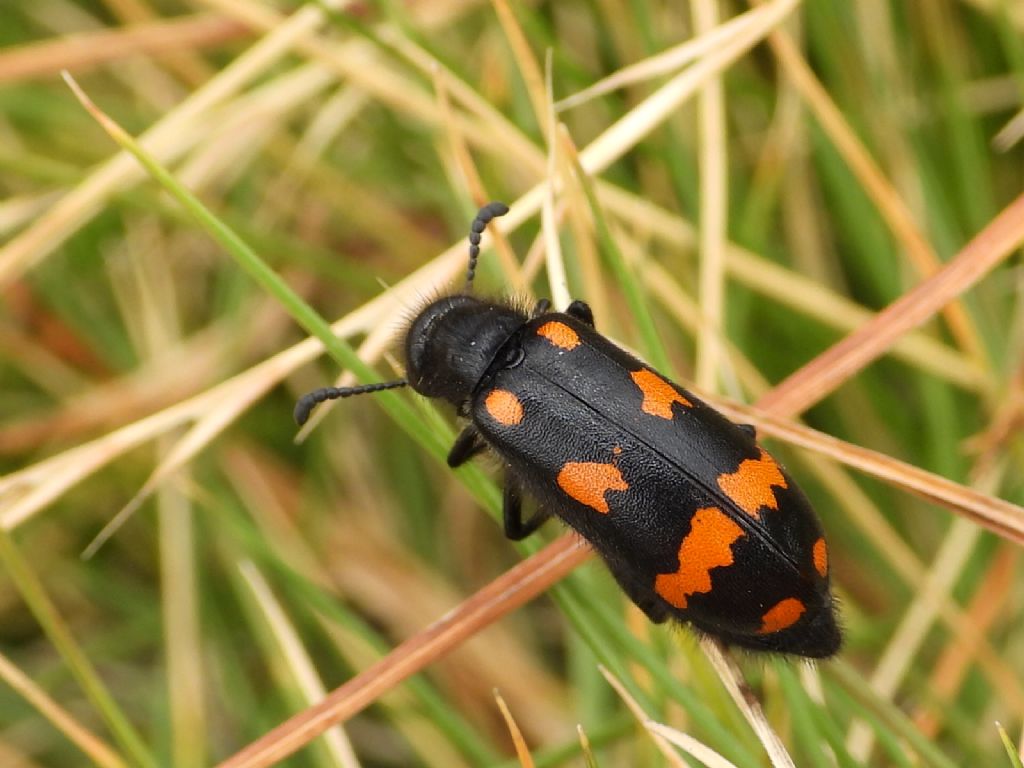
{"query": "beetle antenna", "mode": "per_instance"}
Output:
(488, 213)
(311, 400)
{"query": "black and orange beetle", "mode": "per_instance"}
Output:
(695, 520)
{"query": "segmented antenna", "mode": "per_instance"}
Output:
(311, 400)
(483, 218)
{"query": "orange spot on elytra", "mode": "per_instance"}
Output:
(559, 334)
(588, 483)
(750, 486)
(658, 394)
(708, 545)
(820, 553)
(782, 615)
(504, 407)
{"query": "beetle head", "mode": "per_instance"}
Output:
(453, 341)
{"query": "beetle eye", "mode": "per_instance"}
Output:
(513, 357)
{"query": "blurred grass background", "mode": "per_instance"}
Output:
(349, 146)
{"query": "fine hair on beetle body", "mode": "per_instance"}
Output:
(694, 519)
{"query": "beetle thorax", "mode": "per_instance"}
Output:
(452, 343)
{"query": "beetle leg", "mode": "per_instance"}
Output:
(640, 593)
(467, 445)
(516, 528)
(540, 308)
(581, 311)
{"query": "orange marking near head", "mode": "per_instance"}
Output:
(782, 615)
(820, 553)
(504, 407)
(750, 486)
(658, 394)
(588, 483)
(559, 334)
(708, 545)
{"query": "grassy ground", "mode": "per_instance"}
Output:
(732, 230)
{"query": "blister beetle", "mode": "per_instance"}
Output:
(694, 519)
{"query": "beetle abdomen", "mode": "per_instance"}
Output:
(679, 501)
